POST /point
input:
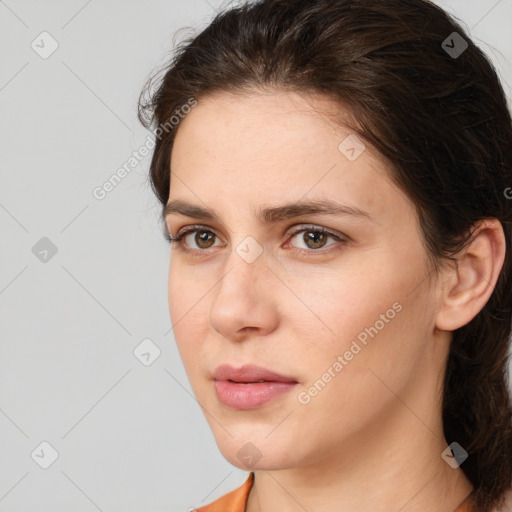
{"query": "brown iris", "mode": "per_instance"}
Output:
(313, 239)
(204, 237)
(317, 238)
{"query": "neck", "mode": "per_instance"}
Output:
(393, 464)
(409, 478)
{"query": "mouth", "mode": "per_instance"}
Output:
(249, 382)
(250, 386)
(249, 373)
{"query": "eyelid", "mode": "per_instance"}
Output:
(314, 227)
(185, 231)
(194, 227)
(340, 238)
(290, 232)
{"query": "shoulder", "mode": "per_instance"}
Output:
(233, 501)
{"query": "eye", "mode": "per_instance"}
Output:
(203, 238)
(314, 238)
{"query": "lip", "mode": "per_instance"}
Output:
(248, 373)
(238, 388)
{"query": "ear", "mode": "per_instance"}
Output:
(467, 287)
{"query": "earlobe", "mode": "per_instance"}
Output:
(468, 285)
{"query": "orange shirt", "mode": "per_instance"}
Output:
(236, 500)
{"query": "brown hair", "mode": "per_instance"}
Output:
(433, 108)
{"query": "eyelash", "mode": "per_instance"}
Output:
(178, 240)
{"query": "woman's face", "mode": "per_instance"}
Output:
(348, 316)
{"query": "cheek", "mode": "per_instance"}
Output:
(173, 285)
(338, 303)
(184, 292)
(370, 317)
(187, 313)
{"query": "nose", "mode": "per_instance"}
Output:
(245, 302)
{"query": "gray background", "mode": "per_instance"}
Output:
(129, 437)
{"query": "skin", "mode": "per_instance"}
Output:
(372, 438)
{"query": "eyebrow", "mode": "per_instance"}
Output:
(269, 215)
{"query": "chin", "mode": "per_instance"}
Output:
(255, 451)
(251, 461)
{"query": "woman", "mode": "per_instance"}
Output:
(335, 180)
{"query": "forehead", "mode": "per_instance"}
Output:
(242, 150)
(267, 126)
